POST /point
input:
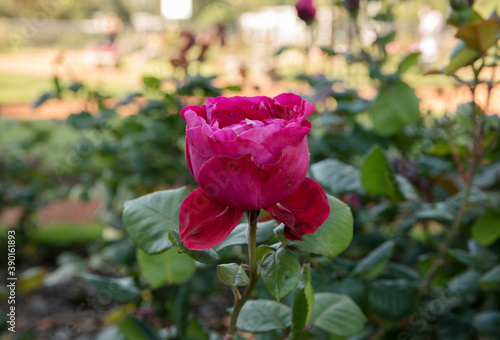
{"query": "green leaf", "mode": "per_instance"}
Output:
(264, 249)
(393, 299)
(464, 57)
(43, 98)
(206, 256)
(31, 279)
(488, 323)
(328, 51)
(470, 260)
(334, 236)
(279, 231)
(486, 231)
(302, 303)
(465, 286)
(395, 107)
(149, 218)
(409, 61)
(178, 307)
(121, 289)
(491, 280)
(232, 275)
(135, 329)
(69, 265)
(151, 82)
(239, 234)
(337, 314)
(195, 331)
(235, 88)
(377, 175)
(407, 189)
(400, 271)
(110, 333)
(480, 35)
(355, 289)
(337, 177)
(259, 316)
(169, 267)
(82, 120)
(75, 87)
(280, 272)
(374, 263)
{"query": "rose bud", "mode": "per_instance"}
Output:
(458, 5)
(351, 5)
(249, 153)
(306, 10)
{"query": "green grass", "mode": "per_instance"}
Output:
(15, 88)
(62, 235)
(22, 88)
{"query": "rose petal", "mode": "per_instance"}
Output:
(309, 207)
(202, 148)
(222, 108)
(291, 100)
(274, 138)
(192, 115)
(204, 222)
(241, 183)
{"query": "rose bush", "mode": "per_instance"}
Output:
(249, 153)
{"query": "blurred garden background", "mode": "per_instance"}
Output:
(90, 94)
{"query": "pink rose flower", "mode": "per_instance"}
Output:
(249, 153)
(306, 10)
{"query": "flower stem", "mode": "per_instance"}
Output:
(252, 216)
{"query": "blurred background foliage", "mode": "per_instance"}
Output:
(407, 145)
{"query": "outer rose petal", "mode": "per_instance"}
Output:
(304, 211)
(241, 183)
(204, 222)
(191, 113)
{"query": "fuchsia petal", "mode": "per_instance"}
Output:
(241, 183)
(225, 110)
(291, 100)
(204, 222)
(202, 148)
(304, 211)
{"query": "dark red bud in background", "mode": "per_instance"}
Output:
(351, 5)
(306, 10)
(461, 4)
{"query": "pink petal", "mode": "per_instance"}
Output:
(274, 138)
(191, 114)
(243, 184)
(225, 108)
(202, 148)
(291, 101)
(204, 222)
(309, 207)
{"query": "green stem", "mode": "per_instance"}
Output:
(252, 216)
(477, 152)
(452, 231)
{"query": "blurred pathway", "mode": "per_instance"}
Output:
(71, 65)
(66, 64)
